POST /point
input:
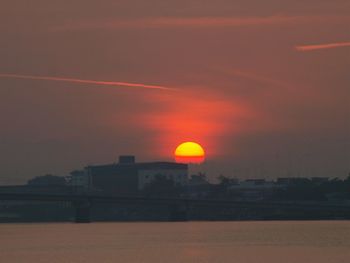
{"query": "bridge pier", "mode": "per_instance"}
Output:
(178, 213)
(82, 212)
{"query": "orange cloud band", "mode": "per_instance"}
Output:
(84, 81)
(322, 46)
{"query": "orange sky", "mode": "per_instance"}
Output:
(259, 106)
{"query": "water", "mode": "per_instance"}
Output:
(200, 242)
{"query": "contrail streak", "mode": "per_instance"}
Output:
(85, 81)
(322, 46)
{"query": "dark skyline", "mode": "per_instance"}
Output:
(263, 86)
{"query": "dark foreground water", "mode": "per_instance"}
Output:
(201, 242)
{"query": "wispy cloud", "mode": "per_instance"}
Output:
(192, 22)
(84, 81)
(322, 46)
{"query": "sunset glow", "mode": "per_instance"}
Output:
(262, 86)
(189, 152)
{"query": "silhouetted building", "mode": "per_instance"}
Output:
(113, 178)
(253, 189)
(319, 180)
(47, 180)
(288, 180)
(128, 177)
(79, 180)
(297, 180)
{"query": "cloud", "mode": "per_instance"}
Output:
(84, 81)
(322, 46)
(196, 22)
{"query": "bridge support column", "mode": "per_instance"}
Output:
(82, 212)
(178, 213)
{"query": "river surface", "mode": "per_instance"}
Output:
(200, 242)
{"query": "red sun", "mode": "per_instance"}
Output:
(189, 152)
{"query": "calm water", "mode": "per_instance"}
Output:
(202, 242)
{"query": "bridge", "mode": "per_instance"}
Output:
(178, 207)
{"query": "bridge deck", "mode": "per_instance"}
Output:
(93, 198)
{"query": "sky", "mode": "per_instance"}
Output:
(263, 86)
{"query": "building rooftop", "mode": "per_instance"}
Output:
(141, 165)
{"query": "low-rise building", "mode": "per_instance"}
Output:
(253, 189)
(129, 177)
(79, 180)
